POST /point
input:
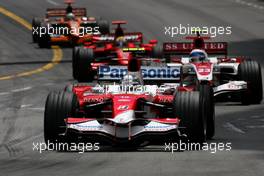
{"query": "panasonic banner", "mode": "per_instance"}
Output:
(107, 72)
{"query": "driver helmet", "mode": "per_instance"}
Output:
(198, 55)
(120, 42)
(70, 16)
(84, 18)
(130, 80)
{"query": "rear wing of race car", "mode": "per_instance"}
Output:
(61, 12)
(159, 74)
(184, 48)
(119, 22)
(213, 48)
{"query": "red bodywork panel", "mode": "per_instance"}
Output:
(120, 102)
(203, 68)
(58, 16)
(74, 37)
(72, 120)
(105, 46)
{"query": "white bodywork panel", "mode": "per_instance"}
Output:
(230, 87)
(121, 132)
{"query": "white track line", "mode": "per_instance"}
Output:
(36, 109)
(256, 6)
(234, 128)
(52, 2)
(21, 89)
(26, 105)
(49, 84)
(4, 93)
(255, 126)
(16, 90)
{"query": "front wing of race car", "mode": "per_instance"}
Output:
(110, 129)
(230, 88)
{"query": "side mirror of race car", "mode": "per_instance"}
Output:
(153, 41)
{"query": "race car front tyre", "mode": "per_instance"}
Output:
(83, 69)
(36, 23)
(206, 92)
(44, 39)
(250, 71)
(190, 107)
(59, 105)
(104, 27)
(74, 64)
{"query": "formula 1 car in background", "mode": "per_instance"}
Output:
(127, 113)
(66, 25)
(232, 78)
(112, 49)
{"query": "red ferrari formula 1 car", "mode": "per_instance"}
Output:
(113, 49)
(129, 112)
(68, 25)
(232, 78)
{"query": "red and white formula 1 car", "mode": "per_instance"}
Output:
(68, 25)
(112, 49)
(127, 113)
(232, 78)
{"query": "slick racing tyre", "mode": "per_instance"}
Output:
(44, 39)
(104, 27)
(36, 23)
(58, 107)
(74, 58)
(207, 93)
(83, 69)
(190, 108)
(250, 71)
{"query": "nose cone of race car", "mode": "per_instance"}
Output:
(124, 107)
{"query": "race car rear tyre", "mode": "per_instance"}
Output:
(36, 23)
(157, 52)
(250, 71)
(190, 107)
(44, 39)
(59, 105)
(83, 69)
(74, 64)
(104, 27)
(207, 93)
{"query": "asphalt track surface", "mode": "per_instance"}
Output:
(22, 99)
